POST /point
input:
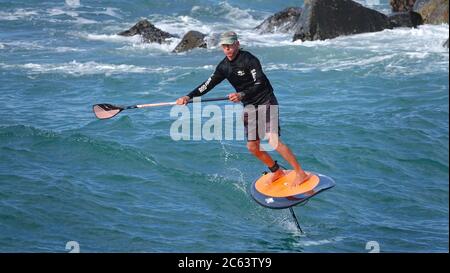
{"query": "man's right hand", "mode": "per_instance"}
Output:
(183, 100)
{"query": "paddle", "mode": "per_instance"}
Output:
(105, 110)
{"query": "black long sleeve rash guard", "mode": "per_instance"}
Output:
(245, 74)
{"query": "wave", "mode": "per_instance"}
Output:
(381, 6)
(131, 43)
(389, 51)
(402, 51)
(73, 3)
(425, 38)
(68, 13)
(307, 243)
(203, 19)
(181, 24)
(26, 45)
(88, 68)
(109, 38)
(75, 68)
(18, 14)
(243, 21)
(98, 149)
(390, 65)
(214, 19)
(231, 14)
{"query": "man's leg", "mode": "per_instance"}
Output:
(254, 148)
(288, 155)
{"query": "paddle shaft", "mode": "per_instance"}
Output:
(171, 103)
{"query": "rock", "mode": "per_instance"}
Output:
(192, 39)
(283, 21)
(149, 32)
(445, 44)
(402, 5)
(432, 11)
(405, 19)
(327, 19)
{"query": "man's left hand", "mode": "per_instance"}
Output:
(235, 97)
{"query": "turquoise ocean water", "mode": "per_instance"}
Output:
(369, 110)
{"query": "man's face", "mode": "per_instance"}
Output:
(231, 50)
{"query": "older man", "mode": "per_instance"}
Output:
(245, 74)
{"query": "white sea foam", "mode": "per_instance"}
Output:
(236, 18)
(151, 47)
(381, 6)
(131, 43)
(239, 17)
(61, 11)
(26, 45)
(179, 25)
(90, 68)
(113, 12)
(425, 38)
(75, 15)
(17, 14)
(87, 68)
(231, 17)
(57, 11)
(62, 49)
(307, 243)
(228, 13)
(286, 67)
(350, 63)
(73, 3)
(109, 38)
(403, 50)
(83, 21)
(49, 14)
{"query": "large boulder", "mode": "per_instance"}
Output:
(327, 19)
(283, 21)
(405, 19)
(432, 11)
(192, 39)
(402, 5)
(149, 32)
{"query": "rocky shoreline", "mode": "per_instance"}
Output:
(316, 20)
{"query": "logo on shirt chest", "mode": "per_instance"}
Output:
(240, 73)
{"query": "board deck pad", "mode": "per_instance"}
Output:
(282, 194)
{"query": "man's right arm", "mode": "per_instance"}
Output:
(207, 85)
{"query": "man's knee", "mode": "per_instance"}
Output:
(253, 146)
(274, 141)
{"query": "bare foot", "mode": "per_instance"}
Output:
(274, 176)
(301, 178)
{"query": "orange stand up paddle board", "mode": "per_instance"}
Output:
(282, 193)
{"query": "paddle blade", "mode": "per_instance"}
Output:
(104, 111)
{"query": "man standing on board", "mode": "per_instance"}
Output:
(245, 74)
